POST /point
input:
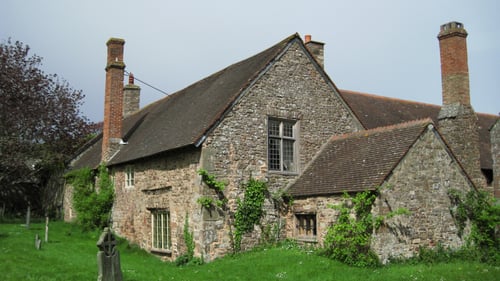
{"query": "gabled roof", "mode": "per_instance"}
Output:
(183, 118)
(358, 161)
(377, 111)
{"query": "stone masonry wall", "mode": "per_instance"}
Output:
(325, 216)
(495, 154)
(169, 181)
(292, 88)
(420, 183)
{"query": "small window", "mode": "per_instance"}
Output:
(306, 225)
(129, 176)
(281, 145)
(160, 229)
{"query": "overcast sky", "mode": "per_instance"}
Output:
(380, 47)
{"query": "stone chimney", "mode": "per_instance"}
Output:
(316, 49)
(113, 99)
(131, 97)
(457, 120)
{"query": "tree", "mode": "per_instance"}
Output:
(40, 127)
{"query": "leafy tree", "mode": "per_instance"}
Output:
(40, 127)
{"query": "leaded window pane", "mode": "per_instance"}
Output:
(274, 154)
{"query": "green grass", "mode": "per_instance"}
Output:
(71, 255)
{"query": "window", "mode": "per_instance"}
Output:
(281, 145)
(129, 176)
(160, 229)
(306, 225)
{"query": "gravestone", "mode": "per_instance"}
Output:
(108, 258)
(38, 242)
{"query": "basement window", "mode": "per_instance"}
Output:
(160, 230)
(305, 226)
(129, 177)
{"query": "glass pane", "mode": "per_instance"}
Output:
(274, 128)
(274, 154)
(288, 155)
(288, 129)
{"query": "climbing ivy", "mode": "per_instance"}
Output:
(483, 212)
(249, 210)
(93, 205)
(210, 181)
(349, 239)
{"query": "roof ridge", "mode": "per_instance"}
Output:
(382, 129)
(342, 91)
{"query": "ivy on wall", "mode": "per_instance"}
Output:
(92, 204)
(248, 210)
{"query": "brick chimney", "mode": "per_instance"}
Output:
(131, 97)
(316, 49)
(113, 99)
(457, 120)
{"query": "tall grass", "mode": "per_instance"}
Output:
(70, 254)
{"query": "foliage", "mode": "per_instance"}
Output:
(210, 180)
(40, 127)
(93, 205)
(348, 240)
(205, 201)
(249, 210)
(188, 258)
(70, 254)
(480, 209)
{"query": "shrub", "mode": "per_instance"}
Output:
(348, 240)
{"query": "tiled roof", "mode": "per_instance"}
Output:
(376, 111)
(181, 119)
(358, 161)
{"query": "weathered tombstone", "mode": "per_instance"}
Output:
(108, 258)
(38, 242)
(46, 229)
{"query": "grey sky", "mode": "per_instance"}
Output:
(381, 47)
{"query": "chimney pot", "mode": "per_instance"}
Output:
(131, 79)
(307, 38)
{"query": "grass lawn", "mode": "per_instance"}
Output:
(71, 255)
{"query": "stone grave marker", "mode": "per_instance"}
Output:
(108, 258)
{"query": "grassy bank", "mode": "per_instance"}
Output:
(71, 255)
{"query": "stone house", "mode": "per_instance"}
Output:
(275, 116)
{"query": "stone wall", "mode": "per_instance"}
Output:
(69, 213)
(168, 181)
(420, 183)
(325, 216)
(495, 154)
(292, 88)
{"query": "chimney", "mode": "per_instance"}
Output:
(457, 120)
(131, 97)
(113, 99)
(316, 49)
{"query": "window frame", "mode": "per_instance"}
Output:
(282, 138)
(162, 231)
(306, 226)
(129, 176)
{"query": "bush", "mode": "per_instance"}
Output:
(348, 240)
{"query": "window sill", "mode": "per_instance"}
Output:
(161, 252)
(311, 239)
(284, 173)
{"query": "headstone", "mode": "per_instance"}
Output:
(38, 242)
(108, 258)
(46, 229)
